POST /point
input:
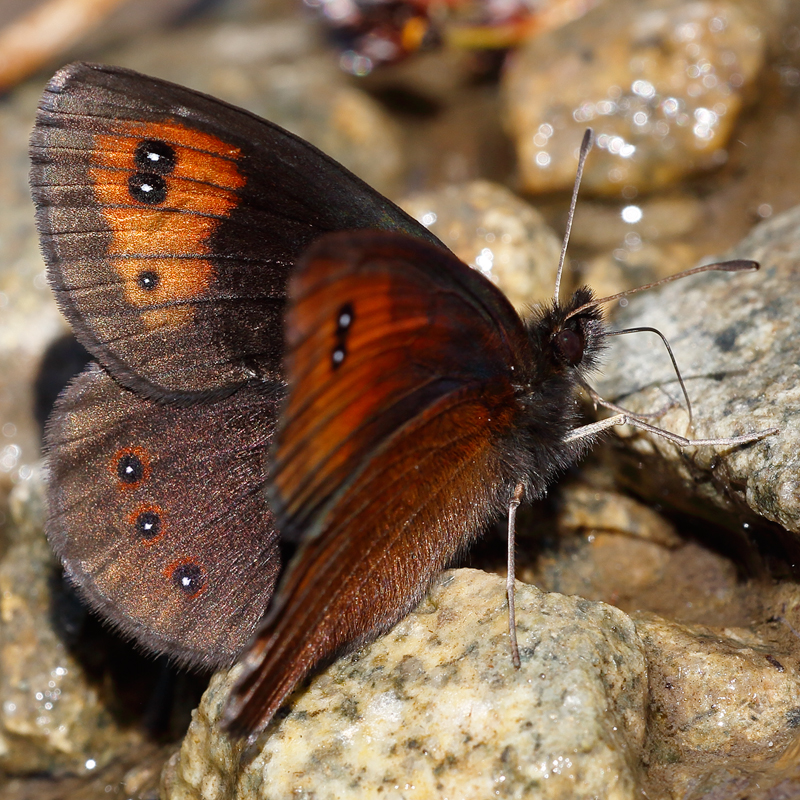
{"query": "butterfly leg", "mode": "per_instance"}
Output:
(513, 505)
(597, 400)
(627, 419)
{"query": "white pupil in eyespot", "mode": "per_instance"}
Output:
(345, 320)
(146, 187)
(186, 581)
(154, 156)
(338, 356)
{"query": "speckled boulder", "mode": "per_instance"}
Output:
(497, 233)
(436, 708)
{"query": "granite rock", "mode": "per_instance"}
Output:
(436, 709)
(604, 705)
(495, 232)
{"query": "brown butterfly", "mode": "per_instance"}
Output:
(419, 404)
(420, 407)
(169, 222)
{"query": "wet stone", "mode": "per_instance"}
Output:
(661, 81)
(53, 719)
(436, 707)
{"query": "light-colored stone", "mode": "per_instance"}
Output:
(724, 710)
(718, 691)
(662, 81)
(587, 508)
(495, 232)
(436, 709)
(53, 717)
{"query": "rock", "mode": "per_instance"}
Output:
(661, 81)
(638, 242)
(734, 340)
(53, 717)
(29, 319)
(135, 776)
(499, 234)
(587, 508)
(436, 707)
(724, 710)
(717, 691)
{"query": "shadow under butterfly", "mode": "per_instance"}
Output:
(417, 405)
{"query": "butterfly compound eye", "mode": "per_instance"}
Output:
(569, 346)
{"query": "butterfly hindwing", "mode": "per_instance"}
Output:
(401, 363)
(169, 221)
(159, 513)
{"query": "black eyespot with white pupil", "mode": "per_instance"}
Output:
(148, 524)
(189, 578)
(147, 188)
(153, 155)
(344, 321)
(147, 280)
(153, 159)
(130, 469)
(569, 345)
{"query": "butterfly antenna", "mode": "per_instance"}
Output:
(586, 146)
(738, 265)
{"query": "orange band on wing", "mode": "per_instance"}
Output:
(159, 246)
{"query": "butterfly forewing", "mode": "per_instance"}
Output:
(381, 327)
(389, 458)
(170, 220)
(159, 513)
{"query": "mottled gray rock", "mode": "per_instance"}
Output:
(436, 708)
(662, 81)
(734, 337)
(495, 232)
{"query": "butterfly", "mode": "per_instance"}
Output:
(169, 222)
(409, 405)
